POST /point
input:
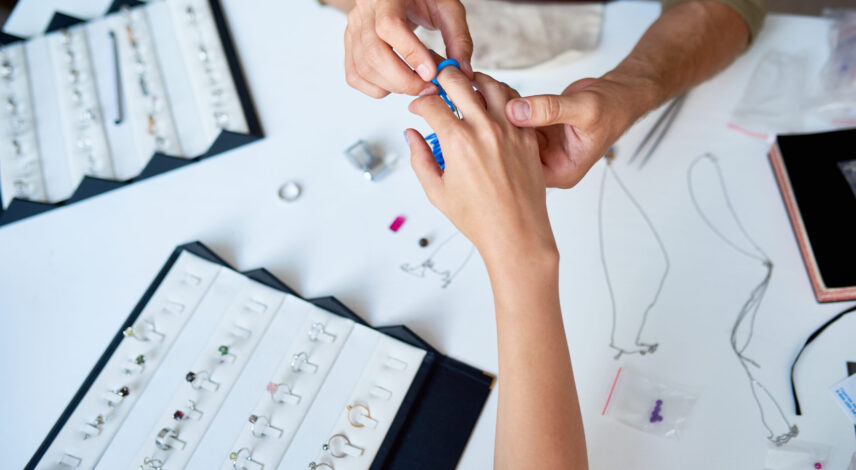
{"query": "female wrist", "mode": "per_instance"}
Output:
(533, 261)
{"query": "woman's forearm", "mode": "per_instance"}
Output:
(538, 423)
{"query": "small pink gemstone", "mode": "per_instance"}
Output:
(271, 387)
(818, 465)
(397, 223)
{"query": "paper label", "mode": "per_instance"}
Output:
(844, 393)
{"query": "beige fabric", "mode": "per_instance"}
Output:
(519, 35)
(753, 11)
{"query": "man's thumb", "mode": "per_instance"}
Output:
(538, 111)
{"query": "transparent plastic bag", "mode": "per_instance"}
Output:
(649, 405)
(797, 455)
(835, 100)
(772, 102)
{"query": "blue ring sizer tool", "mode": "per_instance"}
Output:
(442, 92)
(432, 139)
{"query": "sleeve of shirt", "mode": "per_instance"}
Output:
(752, 11)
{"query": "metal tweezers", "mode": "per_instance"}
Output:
(659, 130)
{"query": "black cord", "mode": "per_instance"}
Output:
(808, 341)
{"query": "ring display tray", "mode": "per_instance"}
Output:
(93, 106)
(216, 369)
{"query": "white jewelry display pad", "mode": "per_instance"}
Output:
(270, 337)
(205, 63)
(79, 104)
(110, 93)
(304, 386)
(139, 123)
(20, 160)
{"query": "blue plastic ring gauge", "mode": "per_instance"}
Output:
(443, 65)
(441, 92)
(432, 139)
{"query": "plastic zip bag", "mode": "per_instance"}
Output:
(798, 455)
(835, 101)
(649, 405)
(773, 100)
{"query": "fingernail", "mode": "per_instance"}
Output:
(406, 137)
(428, 90)
(424, 72)
(521, 110)
(468, 67)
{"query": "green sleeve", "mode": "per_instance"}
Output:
(753, 11)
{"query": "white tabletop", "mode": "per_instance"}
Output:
(71, 276)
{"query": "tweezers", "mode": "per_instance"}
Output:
(659, 130)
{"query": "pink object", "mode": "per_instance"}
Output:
(271, 387)
(818, 465)
(614, 382)
(397, 223)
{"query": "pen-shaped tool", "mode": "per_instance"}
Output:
(120, 105)
(659, 130)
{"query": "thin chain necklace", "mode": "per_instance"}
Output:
(641, 348)
(446, 275)
(749, 311)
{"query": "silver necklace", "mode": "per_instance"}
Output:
(641, 347)
(428, 266)
(749, 311)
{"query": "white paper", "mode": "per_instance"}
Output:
(844, 393)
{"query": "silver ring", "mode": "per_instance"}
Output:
(315, 466)
(162, 437)
(290, 191)
(235, 455)
(197, 379)
(261, 421)
(328, 448)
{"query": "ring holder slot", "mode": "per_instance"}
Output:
(20, 159)
(210, 381)
(142, 110)
(146, 89)
(102, 397)
(80, 107)
(68, 460)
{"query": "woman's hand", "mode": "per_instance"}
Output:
(493, 185)
(493, 191)
(378, 29)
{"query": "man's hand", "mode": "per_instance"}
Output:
(577, 127)
(688, 44)
(383, 55)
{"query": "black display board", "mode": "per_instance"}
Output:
(433, 424)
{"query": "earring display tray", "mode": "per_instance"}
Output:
(216, 369)
(92, 106)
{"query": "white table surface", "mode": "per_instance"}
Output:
(70, 277)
